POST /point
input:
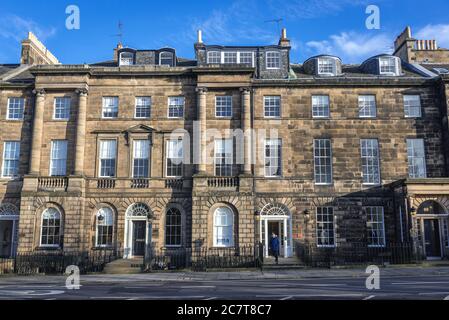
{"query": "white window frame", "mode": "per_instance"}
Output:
(172, 58)
(63, 158)
(170, 105)
(180, 226)
(265, 98)
(97, 225)
(409, 101)
(100, 158)
(229, 104)
(375, 159)
(230, 224)
(389, 73)
(330, 61)
(116, 106)
(380, 225)
(42, 245)
(167, 148)
(135, 142)
(67, 104)
(214, 52)
(334, 227)
(273, 143)
(17, 161)
(225, 159)
(411, 159)
(142, 99)
(266, 60)
(21, 104)
(246, 52)
(367, 102)
(126, 61)
(224, 53)
(317, 103)
(315, 164)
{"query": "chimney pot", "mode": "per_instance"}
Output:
(200, 36)
(284, 33)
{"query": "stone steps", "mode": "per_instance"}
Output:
(124, 266)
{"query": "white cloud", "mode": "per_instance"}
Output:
(439, 32)
(308, 9)
(352, 47)
(17, 28)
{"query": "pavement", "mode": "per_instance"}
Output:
(335, 284)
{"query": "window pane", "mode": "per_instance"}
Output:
(16, 107)
(126, 59)
(214, 57)
(246, 58)
(223, 106)
(273, 60)
(176, 107)
(230, 57)
(58, 161)
(416, 158)
(143, 107)
(108, 151)
(105, 223)
(175, 158)
(110, 107)
(412, 106)
(173, 228)
(166, 59)
(320, 107)
(223, 157)
(323, 161)
(325, 226)
(51, 227)
(62, 108)
(387, 65)
(375, 226)
(273, 158)
(11, 159)
(326, 66)
(223, 227)
(367, 107)
(370, 161)
(272, 106)
(141, 151)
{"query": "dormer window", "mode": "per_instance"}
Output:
(166, 59)
(388, 66)
(126, 59)
(230, 57)
(273, 60)
(214, 57)
(327, 67)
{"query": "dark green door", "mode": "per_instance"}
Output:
(432, 238)
(139, 235)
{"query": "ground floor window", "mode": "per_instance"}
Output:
(105, 226)
(325, 226)
(173, 227)
(223, 227)
(446, 232)
(375, 226)
(51, 228)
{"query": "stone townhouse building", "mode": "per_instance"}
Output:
(224, 150)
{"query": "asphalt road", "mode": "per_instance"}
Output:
(97, 287)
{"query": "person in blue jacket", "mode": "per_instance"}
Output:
(274, 246)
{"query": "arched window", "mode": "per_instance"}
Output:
(173, 228)
(166, 59)
(105, 227)
(126, 59)
(51, 228)
(223, 227)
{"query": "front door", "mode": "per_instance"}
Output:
(432, 237)
(139, 236)
(6, 238)
(276, 227)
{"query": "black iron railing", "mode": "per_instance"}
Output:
(357, 254)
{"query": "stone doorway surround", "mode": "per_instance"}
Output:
(9, 214)
(421, 193)
(136, 212)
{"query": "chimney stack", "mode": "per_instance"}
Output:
(200, 37)
(284, 41)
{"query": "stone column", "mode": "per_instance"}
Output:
(246, 127)
(80, 132)
(38, 124)
(202, 112)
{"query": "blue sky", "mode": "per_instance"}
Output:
(314, 26)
